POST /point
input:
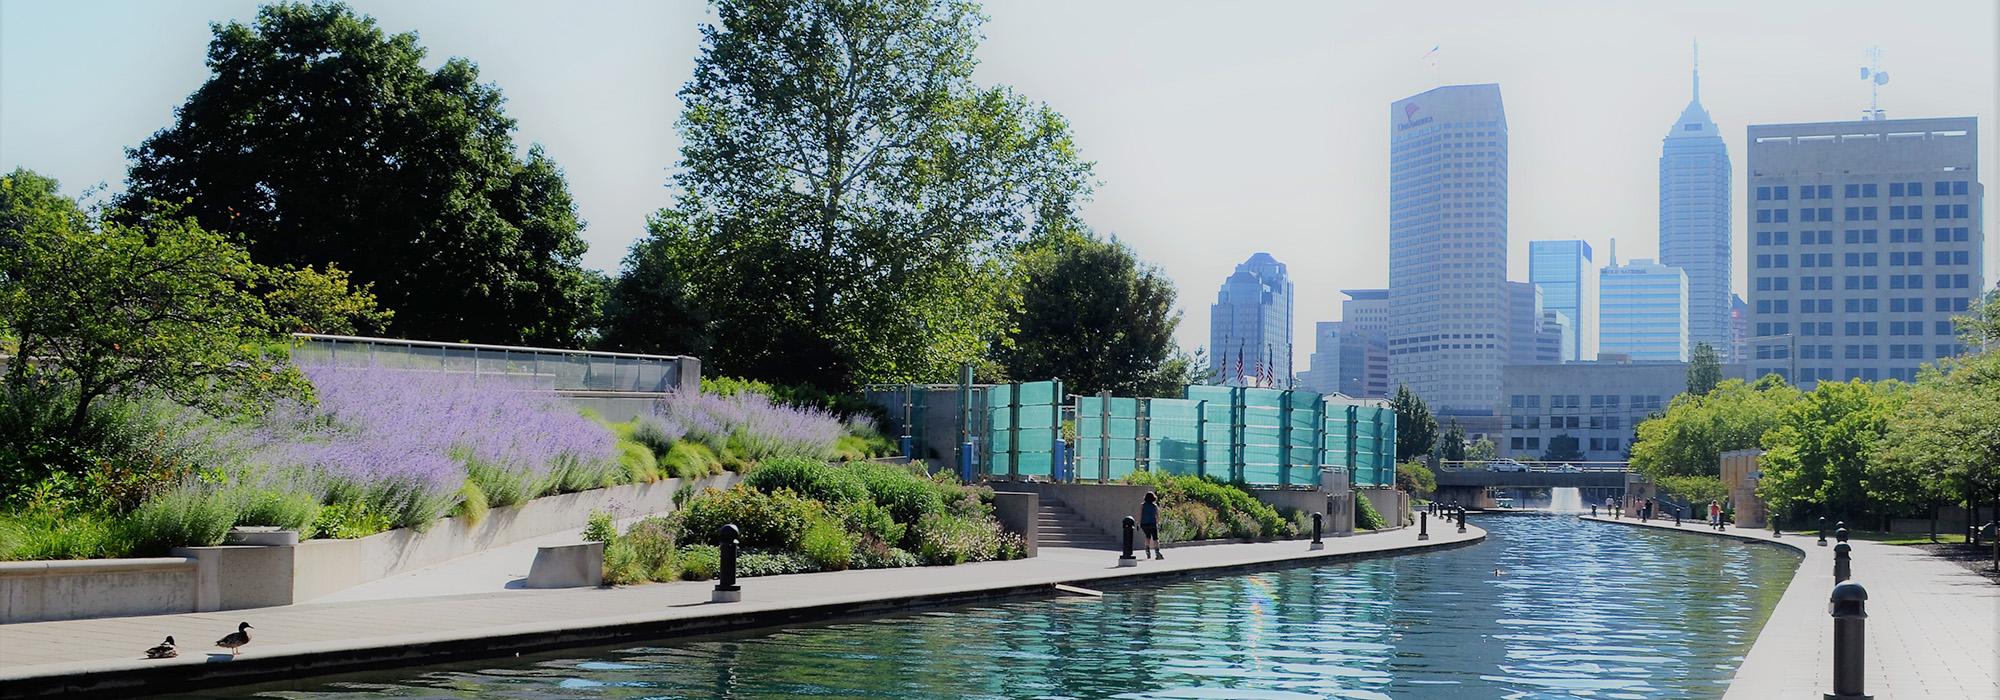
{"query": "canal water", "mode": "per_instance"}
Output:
(1547, 607)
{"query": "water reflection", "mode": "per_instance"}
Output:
(1548, 607)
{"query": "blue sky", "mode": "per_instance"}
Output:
(1218, 129)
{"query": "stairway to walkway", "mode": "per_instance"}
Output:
(1059, 526)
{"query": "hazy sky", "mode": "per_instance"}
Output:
(1218, 129)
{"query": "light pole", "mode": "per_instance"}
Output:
(1791, 353)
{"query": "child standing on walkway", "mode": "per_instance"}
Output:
(1149, 522)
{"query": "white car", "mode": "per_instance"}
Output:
(1569, 469)
(1506, 465)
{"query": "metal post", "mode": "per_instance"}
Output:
(1318, 526)
(1776, 532)
(1127, 559)
(1461, 519)
(1848, 604)
(1060, 460)
(1840, 531)
(1593, 510)
(726, 590)
(1423, 526)
(1843, 565)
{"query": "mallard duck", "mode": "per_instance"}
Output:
(164, 651)
(235, 641)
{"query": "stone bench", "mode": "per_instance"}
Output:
(567, 566)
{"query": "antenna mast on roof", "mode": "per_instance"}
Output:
(1876, 78)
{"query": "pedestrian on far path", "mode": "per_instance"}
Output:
(1715, 515)
(1149, 522)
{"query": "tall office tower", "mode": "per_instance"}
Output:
(1865, 240)
(1323, 366)
(1346, 360)
(1365, 317)
(1694, 218)
(1643, 313)
(1739, 329)
(1554, 336)
(1525, 332)
(1250, 325)
(1448, 246)
(1569, 285)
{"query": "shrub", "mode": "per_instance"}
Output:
(882, 556)
(809, 478)
(472, 503)
(772, 564)
(51, 535)
(1187, 521)
(652, 433)
(691, 460)
(637, 463)
(1241, 514)
(948, 540)
(871, 521)
(652, 542)
(766, 520)
(286, 508)
(1365, 515)
(908, 496)
(194, 515)
(348, 519)
(748, 427)
(827, 546)
(621, 565)
(700, 562)
(600, 528)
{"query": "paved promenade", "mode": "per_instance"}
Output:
(1933, 627)
(102, 656)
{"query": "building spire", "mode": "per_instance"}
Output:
(1697, 70)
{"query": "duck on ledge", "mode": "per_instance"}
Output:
(164, 651)
(235, 641)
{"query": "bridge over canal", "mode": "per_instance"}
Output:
(1472, 483)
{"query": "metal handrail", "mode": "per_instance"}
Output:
(479, 346)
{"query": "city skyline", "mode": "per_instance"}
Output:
(1305, 184)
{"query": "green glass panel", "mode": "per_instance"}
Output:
(1036, 463)
(1000, 419)
(1124, 449)
(1036, 440)
(1173, 409)
(1124, 408)
(1216, 395)
(1268, 398)
(1033, 417)
(1122, 467)
(1260, 435)
(999, 396)
(1126, 428)
(1260, 474)
(997, 465)
(1041, 393)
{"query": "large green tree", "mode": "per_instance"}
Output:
(1690, 437)
(1943, 444)
(1416, 428)
(650, 307)
(318, 140)
(1092, 314)
(850, 193)
(1704, 370)
(1816, 456)
(1450, 447)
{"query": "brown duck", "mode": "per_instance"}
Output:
(235, 641)
(164, 651)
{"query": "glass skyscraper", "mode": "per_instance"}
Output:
(1694, 218)
(1644, 312)
(1448, 246)
(1568, 280)
(1250, 325)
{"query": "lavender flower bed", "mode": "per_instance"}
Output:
(749, 426)
(405, 442)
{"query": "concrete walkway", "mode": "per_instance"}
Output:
(102, 656)
(1933, 627)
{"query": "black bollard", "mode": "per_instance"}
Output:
(1318, 524)
(1822, 531)
(1593, 510)
(1843, 565)
(1461, 519)
(1848, 605)
(1840, 532)
(1423, 526)
(1775, 532)
(1127, 559)
(726, 590)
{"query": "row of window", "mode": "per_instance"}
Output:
(1855, 190)
(1866, 259)
(1825, 283)
(1576, 401)
(1860, 236)
(1896, 213)
(1596, 444)
(1827, 374)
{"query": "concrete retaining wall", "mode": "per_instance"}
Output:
(1017, 513)
(201, 579)
(31, 591)
(1310, 501)
(1392, 504)
(1104, 506)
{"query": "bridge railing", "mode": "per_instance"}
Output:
(1537, 466)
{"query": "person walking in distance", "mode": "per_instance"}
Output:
(1715, 515)
(1149, 522)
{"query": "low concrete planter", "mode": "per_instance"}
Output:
(201, 579)
(568, 566)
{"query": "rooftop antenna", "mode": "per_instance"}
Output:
(1876, 78)
(1697, 70)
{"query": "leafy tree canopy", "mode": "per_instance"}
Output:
(1092, 314)
(1943, 442)
(1415, 479)
(1704, 370)
(1451, 447)
(851, 193)
(650, 307)
(318, 140)
(1563, 448)
(1690, 437)
(1815, 456)
(1416, 428)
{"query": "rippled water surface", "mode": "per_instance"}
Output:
(1546, 607)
